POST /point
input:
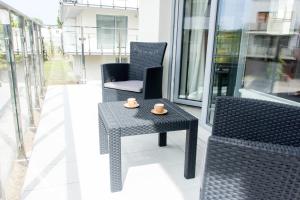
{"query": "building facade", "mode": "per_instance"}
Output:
(98, 32)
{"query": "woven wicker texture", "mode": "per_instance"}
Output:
(119, 95)
(243, 170)
(116, 121)
(141, 120)
(144, 55)
(255, 120)
(253, 153)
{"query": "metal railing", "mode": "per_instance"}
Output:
(97, 41)
(117, 4)
(21, 85)
(77, 42)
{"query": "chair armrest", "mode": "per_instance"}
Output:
(250, 169)
(152, 87)
(114, 72)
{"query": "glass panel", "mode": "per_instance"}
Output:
(62, 55)
(121, 33)
(119, 3)
(132, 3)
(90, 42)
(8, 143)
(91, 2)
(256, 51)
(107, 2)
(20, 69)
(111, 33)
(194, 43)
(272, 61)
(30, 63)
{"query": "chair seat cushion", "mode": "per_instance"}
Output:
(132, 85)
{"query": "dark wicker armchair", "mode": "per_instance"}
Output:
(142, 78)
(254, 152)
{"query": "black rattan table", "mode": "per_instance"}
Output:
(116, 121)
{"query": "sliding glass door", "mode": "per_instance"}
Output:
(256, 52)
(192, 45)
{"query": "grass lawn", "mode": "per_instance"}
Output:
(59, 71)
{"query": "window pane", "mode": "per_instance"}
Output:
(111, 32)
(106, 32)
(121, 31)
(194, 43)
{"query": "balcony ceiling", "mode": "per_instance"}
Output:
(70, 11)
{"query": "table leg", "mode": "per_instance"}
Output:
(162, 139)
(115, 161)
(103, 140)
(191, 150)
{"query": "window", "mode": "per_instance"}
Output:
(111, 31)
(194, 35)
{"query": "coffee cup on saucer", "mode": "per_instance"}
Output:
(131, 103)
(159, 109)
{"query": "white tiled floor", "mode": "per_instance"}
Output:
(65, 163)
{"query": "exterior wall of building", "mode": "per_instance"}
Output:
(156, 25)
(88, 16)
(92, 64)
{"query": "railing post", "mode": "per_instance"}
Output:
(33, 61)
(37, 44)
(83, 56)
(42, 57)
(119, 44)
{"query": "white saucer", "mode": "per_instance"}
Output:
(158, 113)
(127, 106)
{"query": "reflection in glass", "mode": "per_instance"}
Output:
(194, 43)
(111, 31)
(263, 49)
(20, 69)
(8, 143)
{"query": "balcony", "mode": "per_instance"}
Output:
(115, 4)
(58, 135)
(50, 88)
(74, 169)
(96, 40)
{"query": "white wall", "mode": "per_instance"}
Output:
(92, 64)
(154, 26)
(149, 16)
(165, 31)
(88, 16)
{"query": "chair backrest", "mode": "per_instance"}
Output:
(144, 55)
(257, 120)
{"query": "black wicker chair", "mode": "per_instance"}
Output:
(142, 78)
(254, 151)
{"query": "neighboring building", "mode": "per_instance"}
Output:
(98, 32)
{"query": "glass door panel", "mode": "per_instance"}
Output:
(194, 31)
(256, 51)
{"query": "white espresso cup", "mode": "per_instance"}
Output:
(159, 107)
(131, 102)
